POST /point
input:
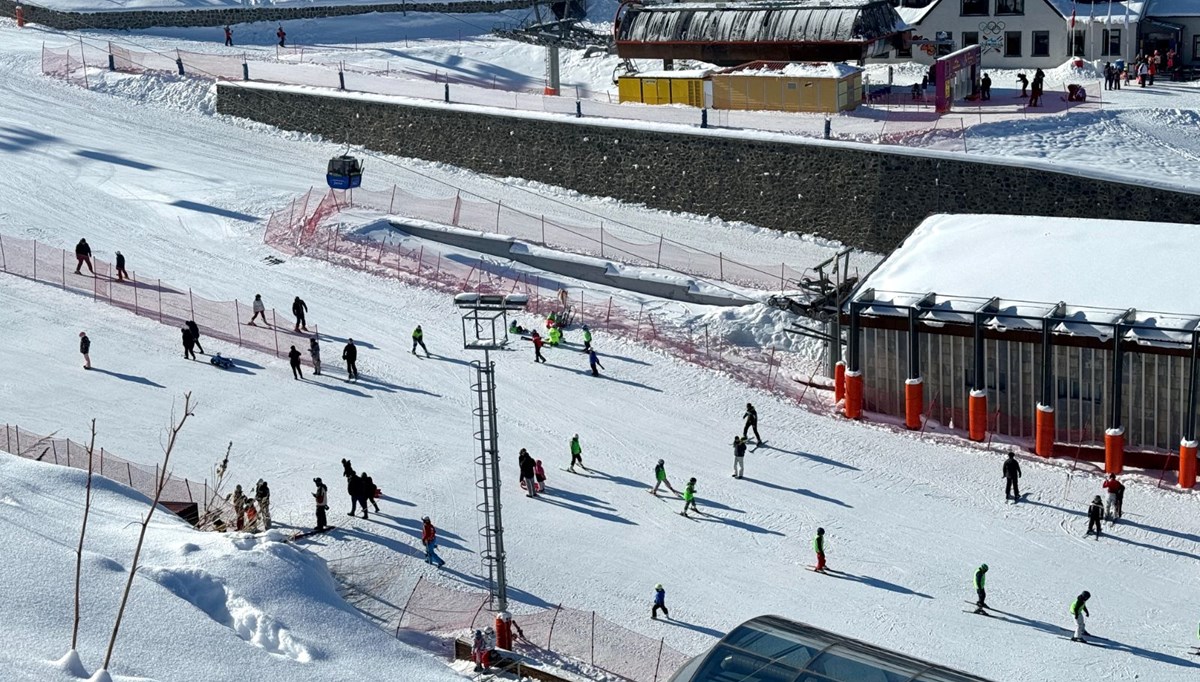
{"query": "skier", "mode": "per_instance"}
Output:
(689, 496)
(83, 256)
(660, 602)
(314, 351)
(739, 454)
(299, 309)
(85, 346)
(228, 37)
(350, 355)
(539, 474)
(1116, 491)
(121, 274)
(1079, 610)
(576, 454)
(1024, 81)
(418, 338)
(370, 491)
(660, 478)
(294, 359)
(262, 493)
(429, 539)
(320, 497)
(751, 417)
(980, 589)
(526, 463)
(189, 344)
(587, 338)
(819, 548)
(260, 310)
(239, 507)
(1011, 472)
(195, 330)
(537, 346)
(594, 362)
(1095, 513)
(282, 35)
(251, 517)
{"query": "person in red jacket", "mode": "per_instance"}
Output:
(537, 347)
(429, 539)
(282, 35)
(1116, 494)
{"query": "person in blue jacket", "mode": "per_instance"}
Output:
(660, 602)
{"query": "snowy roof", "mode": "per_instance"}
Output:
(682, 73)
(1100, 268)
(771, 22)
(1174, 8)
(795, 69)
(913, 15)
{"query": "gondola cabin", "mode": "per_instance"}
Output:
(344, 172)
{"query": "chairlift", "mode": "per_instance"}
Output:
(344, 172)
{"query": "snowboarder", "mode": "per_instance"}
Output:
(320, 497)
(985, 87)
(537, 346)
(238, 498)
(228, 37)
(251, 517)
(418, 338)
(527, 465)
(539, 474)
(980, 588)
(83, 256)
(660, 478)
(576, 454)
(587, 338)
(85, 346)
(1011, 472)
(370, 491)
(819, 548)
(689, 496)
(1079, 610)
(260, 310)
(282, 35)
(189, 344)
(262, 493)
(121, 274)
(751, 417)
(299, 309)
(1116, 492)
(1095, 513)
(294, 359)
(429, 539)
(350, 355)
(314, 352)
(660, 602)
(739, 454)
(195, 330)
(594, 362)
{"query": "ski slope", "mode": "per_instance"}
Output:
(142, 167)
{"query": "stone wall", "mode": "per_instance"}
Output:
(865, 197)
(133, 19)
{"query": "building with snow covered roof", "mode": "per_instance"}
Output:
(1042, 330)
(1173, 25)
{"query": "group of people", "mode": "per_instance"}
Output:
(554, 336)
(533, 475)
(1033, 90)
(249, 512)
(361, 489)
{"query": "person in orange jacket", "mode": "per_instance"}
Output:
(429, 539)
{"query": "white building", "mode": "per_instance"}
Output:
(1173, 24)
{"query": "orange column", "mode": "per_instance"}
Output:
(914, 402)
(1114, 450)
(1044, 434)
(839, 382)
(977, 416)
(20, 15)
(854, 395)
(1187, 463)
(504, 631)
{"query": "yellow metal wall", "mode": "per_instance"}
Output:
(778, 93)
(661, 90)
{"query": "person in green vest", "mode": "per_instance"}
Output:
(819, 548)
(576, 454)
(980, 588)
(418, 337)
(555, 335)
(689, 497)
(587, 338)
(660, 478)
(1079, 610)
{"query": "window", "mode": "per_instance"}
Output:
(1041, 44)
(1010, 7)
(975, 8)
(1078, 43)
(1195, 48)
(970, 38)
(1110, 42)
(1012, 43)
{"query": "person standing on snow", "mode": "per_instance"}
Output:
(195, 330)
(294, 359)
(429, 539)
(299, 310)
(739, 454)
(985, 87)
(479, 652)
(260, 310)
(251, 517)
(189, 344)
(370, 491)
(228, 36)
(587, 339)
(751, 417)
(1095, 513)
(85, 347)
(660, 478)
(238, 498)
(689, 497)
(537, 346)
(83, 256)
(350, 355)
(576, 454)
(262, 493)
(321, 498)
(1116, 491)
(660, 603)
(819, 548)
(528, 482)
(539, 475)
(594, 362)
(121, 274)
(314, 352)
(282, 35)
(1011, 472)
(1079, 610)
(418, 338)
(358, 488)
(980, 588)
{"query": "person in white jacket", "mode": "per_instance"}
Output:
(260, 309)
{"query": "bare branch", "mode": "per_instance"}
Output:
(87, 506)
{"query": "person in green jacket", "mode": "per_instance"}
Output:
(660, 478)
(555, 336)
(980, 588)
(587, 338)
(1079, 610)
(689, 497)
(418, 337)
(819, 548)
(576, 454)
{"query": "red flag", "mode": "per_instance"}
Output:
(1072, 15)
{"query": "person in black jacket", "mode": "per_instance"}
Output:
(985, 87)
(358, 489)
(527, 464)
(350, 355)
(751, 417)
(369, 490)
(122, 275)
(299, 308)
(1012, 472)
(294, 359)
(83, 256)
(189, 343)
(85, 347)
(191, 326)
(1095, 515)
(739, 455)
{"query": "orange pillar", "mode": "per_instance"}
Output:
(1114, 450)
(914, 402)
(1187, 463)
(854, 395)
(839, 382)
(977, 416)
(20, 16)
(550, 92)
(504, 631)
(1044, 433)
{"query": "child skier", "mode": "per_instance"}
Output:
(1116, 491)
(299, 310)
(980, 589)
(689, 497)
(594, 362)
(576, 454)
(294, 361)
(587, 338)
(260, 310)
(418, 338)
(1095, 513)
(314, 352)
(739, 454)
(537, 346)
(819, 548)
(660, 478)
(660, 602)
(429, 539)
(85, 347)
(1079, 610)
(539, 475)
(555, 335)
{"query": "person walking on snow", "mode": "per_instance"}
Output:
(1095, 513)
(527, 465)
(299, 309)
(739, 454)
(282, 35)
(294, 359)
(1116, 491)
(260, 310)
(819, 548)
(314, 352)
(370, 491)
(985, 87)
(262, 493)
(1011, 472)
(85, 347)
(83, 256)
(479, 652)
(251, 517)
(321, 498)
(228, 37)
(539, 475)
(689, 497)
(980, 588)
(189, 344)
(239, 507)
(576, 454)
(195, 330)
(429, 539)
(537, 346)
(587, 339)
(1079, 610)
(350, 355)
(751, 417)
(121, 274)
(660, 478)
(594, 362)
(357, 488)
(660, 603)
(418, 338)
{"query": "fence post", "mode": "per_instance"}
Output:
(64, 260)
(608, 315)
(721, 266)
(782, 275)
(101, 461)
(658, 661)
(499, 205)
(128, 475)
(593, 638)
(638, 334)
(392, 201)
(553, 620)
(404, 608)
(420, 258)
(438, 272)
(179, 62)
(191, 304)
(237, 316)
(706, 356)
(275, 327)
(160, 301)
(3, 262)
(135, 288)
(602, 239)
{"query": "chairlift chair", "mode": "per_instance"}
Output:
(344, 172)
